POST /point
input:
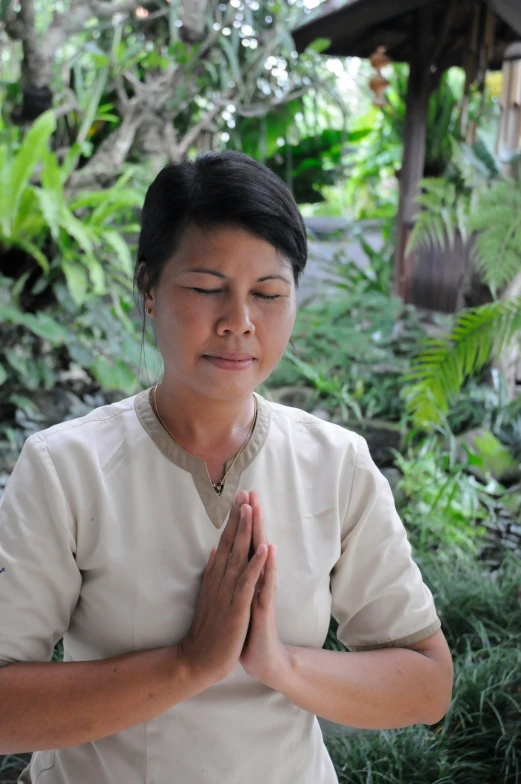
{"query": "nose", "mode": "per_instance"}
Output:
(236, 316)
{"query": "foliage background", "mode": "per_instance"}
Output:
(94, 99)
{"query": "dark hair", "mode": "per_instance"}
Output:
(217, 188)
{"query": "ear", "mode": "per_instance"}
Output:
(142, 278)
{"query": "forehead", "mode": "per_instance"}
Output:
(226, 246)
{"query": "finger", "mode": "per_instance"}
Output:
(254, 496)
(228, 536)
(269, 587)
(259, 536)
(209, 565)
(252, 575)
(238, 556)
(258, 530)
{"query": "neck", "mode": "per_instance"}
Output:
(202, 424)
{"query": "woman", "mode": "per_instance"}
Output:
(193, 652)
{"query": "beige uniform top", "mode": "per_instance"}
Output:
(106, 525)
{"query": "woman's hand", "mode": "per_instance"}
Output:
(216, 637)
(264, 656)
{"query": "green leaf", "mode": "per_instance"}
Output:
(101, 60)
(96, 274)
(34, 251)
(497, 220)
(440, 370)
(47, 327)
(50, 206)
(30, 153)
(5, 226)
(76, 229)
(77, 282)
(115, 375)
(319, 45)
(122, 250)
(51, 175)
(233, 60)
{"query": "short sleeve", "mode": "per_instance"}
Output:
(39, 579)
(378, 595)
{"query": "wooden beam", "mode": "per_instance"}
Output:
(419, 91)
(424, 75)
(353, 19)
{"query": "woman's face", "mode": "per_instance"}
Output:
(236, 317)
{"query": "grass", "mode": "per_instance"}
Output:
(479, 739)
(477, 606)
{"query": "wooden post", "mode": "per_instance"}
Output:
(419, 90)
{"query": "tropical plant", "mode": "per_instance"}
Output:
(47, 239)
(32, 215)
(131, 88)
(439, 371)
(159, 82)
(450, 203)
(313, 163)
(369, 191)
(487, 214)
(354, 345)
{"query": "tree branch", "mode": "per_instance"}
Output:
(39, 53)
(112, 152)
(204, 124)
(13, 24)
(258, 109)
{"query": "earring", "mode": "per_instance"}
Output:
(149, 310)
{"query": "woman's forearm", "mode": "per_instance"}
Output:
(49, 705)
(380, 689)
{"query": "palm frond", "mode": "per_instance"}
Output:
(439, 372)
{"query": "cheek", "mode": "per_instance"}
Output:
(273, 336)
(279, 323)
(173, 325)
(185, 318)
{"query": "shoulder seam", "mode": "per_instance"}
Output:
(79, 424)
(316, 421)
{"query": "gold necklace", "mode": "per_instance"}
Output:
(220, 485)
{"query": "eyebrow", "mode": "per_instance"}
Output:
(225, 277)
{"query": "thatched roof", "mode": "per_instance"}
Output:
(358, 27)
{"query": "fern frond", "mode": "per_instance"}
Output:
(476, 165)
(444, 213)
(497, 221)
(441, 369)
(437, 186)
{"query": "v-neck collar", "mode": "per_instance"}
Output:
(217, 506)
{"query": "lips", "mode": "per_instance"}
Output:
(232, 357)
(230, 364)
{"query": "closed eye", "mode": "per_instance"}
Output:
(217, 291)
